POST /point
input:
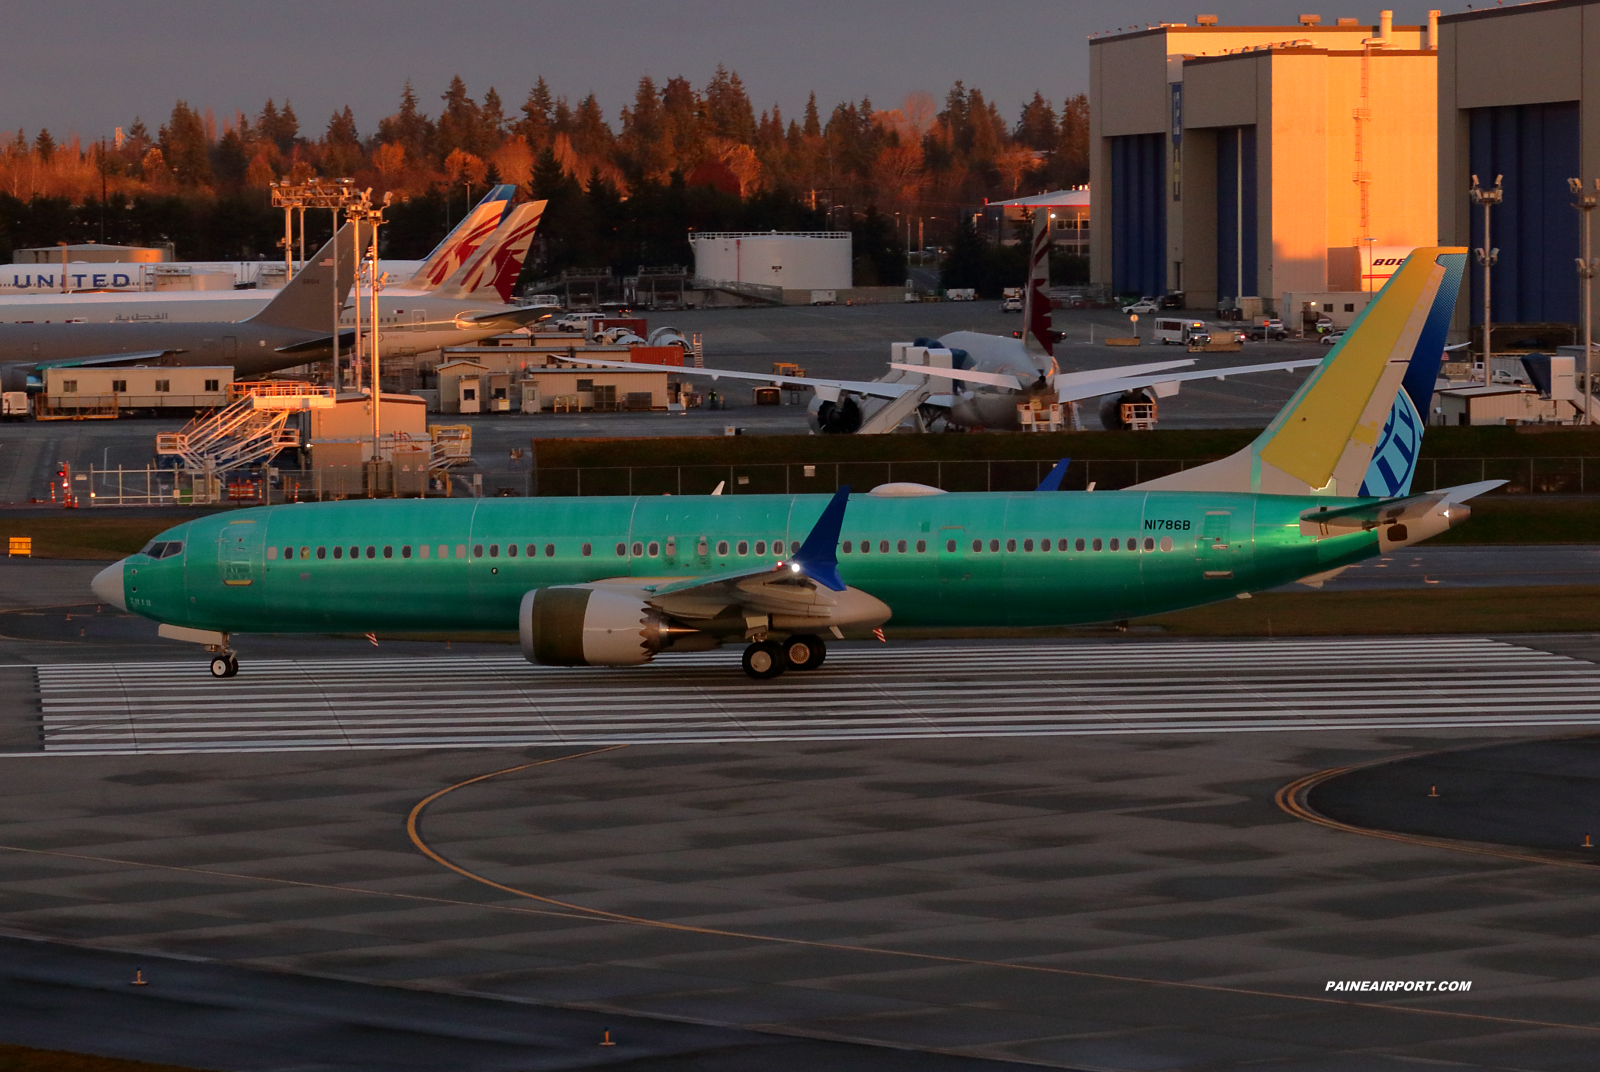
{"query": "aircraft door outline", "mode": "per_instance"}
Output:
(239, 548)
(1213, 549)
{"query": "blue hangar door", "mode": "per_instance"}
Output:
(1139, 214)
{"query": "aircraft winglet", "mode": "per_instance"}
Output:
(1052, 479)
(818, 557)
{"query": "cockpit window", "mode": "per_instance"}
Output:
(163, 548)
(150, 548)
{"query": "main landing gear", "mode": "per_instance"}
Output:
(224, 665)
(766, 659)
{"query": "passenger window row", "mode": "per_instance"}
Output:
(423, 551)
(742, 548)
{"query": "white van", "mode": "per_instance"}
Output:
(1171, 329)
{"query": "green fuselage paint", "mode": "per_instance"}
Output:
(936, 560)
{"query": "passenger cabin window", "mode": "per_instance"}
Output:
(1079, 545)
(550, 550)
(461, 551)
(1011, 545)
(1062, 545)
(423, 550)
(994, 545)
(883, 547)
(477, 550)
(977, 545)
(322, 552)
(272, 553)
(722, 548)
(511, 550)
(761, 548)
(1114, 545)
(922, 547)
(654, 549)
(622, 550)
(372, 552)
(405, 551)
(338, 552)
(901, 547)
(866, 547)
(588, 549)
(950, 546)
(1097, 544)
(744, 548)
(494, 551)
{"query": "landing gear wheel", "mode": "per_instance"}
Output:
(221, 666)
(764, 660)
(233, 664)
(804, 652)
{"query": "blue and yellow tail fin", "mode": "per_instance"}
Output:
(1355, 425)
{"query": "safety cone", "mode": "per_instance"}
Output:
(1434, 791)
(139, 979)
(607, 1040)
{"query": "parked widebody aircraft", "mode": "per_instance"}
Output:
(35, 292)
(294, 329)
(616, 581)
(471, 305)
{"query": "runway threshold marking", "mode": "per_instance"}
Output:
(414, 831)
(1294, 799)
(918, 691)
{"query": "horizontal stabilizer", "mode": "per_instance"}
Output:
(1363, 516)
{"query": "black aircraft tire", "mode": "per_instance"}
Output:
(222, 667)
(764, 660)
(805, 652)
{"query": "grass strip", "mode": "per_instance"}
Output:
(27, 1059)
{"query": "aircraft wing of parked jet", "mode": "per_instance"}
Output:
(1075, 386)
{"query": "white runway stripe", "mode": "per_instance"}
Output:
(861, 694)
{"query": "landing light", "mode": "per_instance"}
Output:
(794, 567)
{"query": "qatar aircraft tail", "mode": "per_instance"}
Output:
(1355, 426)
(308, 300)
(490, 273)
(464, 240)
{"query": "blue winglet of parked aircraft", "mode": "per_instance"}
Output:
(1052, 479)
(818, 557)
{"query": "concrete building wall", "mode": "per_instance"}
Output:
(1296, 86)
(1513, 99)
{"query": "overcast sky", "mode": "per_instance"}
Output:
(88, 66)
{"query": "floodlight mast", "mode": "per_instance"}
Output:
(334, 194)
(1587, 264)
(1487, 255)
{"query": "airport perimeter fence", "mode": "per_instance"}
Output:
(172, 487)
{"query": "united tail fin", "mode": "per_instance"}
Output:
(309, 299)
(463, 241)
(1355, 425)
(489, 274)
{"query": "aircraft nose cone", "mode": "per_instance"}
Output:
(107, 585)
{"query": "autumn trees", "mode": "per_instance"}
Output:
(672, 144)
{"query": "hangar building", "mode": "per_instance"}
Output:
(1514, 102)
(1260, 167)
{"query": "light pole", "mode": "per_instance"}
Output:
(1487, 254)
(1585, 204)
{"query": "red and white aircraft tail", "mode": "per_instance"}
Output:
(463, 241)
(490, 273)
(1036, 298)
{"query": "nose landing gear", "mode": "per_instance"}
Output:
(224, 665)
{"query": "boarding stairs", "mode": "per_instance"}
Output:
(251, 428)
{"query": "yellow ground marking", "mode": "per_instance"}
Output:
(1293, 799)
(414, 830)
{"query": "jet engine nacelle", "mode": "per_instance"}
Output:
(1111, 408)
(840, 417)
(589, 626)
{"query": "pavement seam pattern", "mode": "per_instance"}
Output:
(414, 831)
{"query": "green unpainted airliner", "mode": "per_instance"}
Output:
(616, 581)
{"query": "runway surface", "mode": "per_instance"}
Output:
(898, 692)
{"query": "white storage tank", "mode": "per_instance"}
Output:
(794, 260)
